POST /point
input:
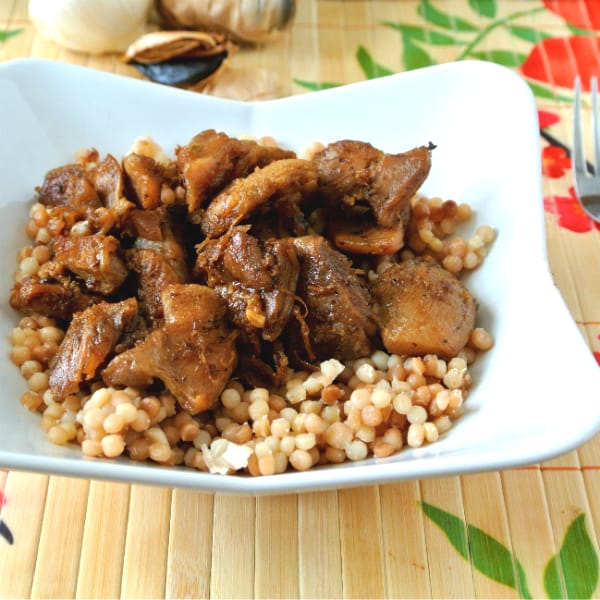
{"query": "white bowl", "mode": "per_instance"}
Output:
(483, 120)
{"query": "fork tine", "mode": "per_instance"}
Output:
(578, 156)
(596, 125)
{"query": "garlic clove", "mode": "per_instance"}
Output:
(181, 72)
(179, 58)
(252, 21)
(160, 46)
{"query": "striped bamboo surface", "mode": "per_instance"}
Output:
(524, 532)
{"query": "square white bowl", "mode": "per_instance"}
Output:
(483, 120)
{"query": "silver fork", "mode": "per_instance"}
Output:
(587, 185)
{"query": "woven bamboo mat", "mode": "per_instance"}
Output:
(529, 532)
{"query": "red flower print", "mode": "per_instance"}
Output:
(547, 118)
(581, 13)
(555, 162)
(5, 532)
(559, 60)
(570, 214)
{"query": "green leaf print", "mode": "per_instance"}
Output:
(577, 560)
(437, 17)
(422, 34)
(485, 8)
(579, 30)
(486, 554)
(527, 33)
(370, 68)
(506, 58)
(413, 56)
(453, 527)
(552, 579)
(540, 91)
(314, 86)
(4, 35)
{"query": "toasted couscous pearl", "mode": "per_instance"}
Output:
(416, 414)
(29, 367)
(159, 452)
(366, 373)
(301, 460)
(113, 423)
(230, 398)
(481, 339)
(338, 435)
(402, 403)
(38, 382)
(415, 435)
(431, 432)
(443, 424)
(141, 421)
(266, 464)
(112, 445)
(356, 450)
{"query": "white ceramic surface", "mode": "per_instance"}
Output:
(531, 398)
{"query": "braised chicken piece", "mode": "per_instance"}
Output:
(193, 353)
(155, 230)
(340, 320)
(257, 280)
(93, 258)
(56, 299)
(69, 185)
(110, 186)
(352, 172)
(157, 258)
(355, 237)
(147, 224)
(281, 187)
(153, 273)
(145, 180)
(212, 160)
(91, 337)
(423, 309)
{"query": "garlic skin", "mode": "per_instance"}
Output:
(251, 21)
(94, 27)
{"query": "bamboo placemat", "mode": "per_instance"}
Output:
(529, 532)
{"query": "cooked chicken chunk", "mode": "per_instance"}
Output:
(92, 335)
(355, 237)
(257, 280)
(157, 258)
(71, 186)
(153, 272)
(339, 317)
(352, 172)
(144, 179)
(57, 299)
(110, 186)
(281, 186)
(423, 309)
(193, 353)
(93, 258)
(212, 160)
(155, 230)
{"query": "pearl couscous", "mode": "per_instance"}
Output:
(371, 407)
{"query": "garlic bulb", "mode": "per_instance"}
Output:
(247, 20)
(93, 26)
